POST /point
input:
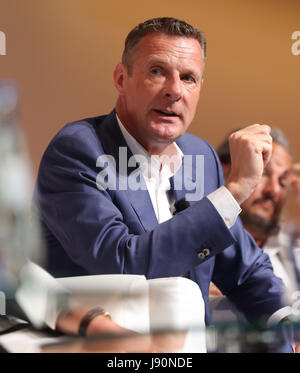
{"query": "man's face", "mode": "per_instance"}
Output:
(267, 200)
(160, 92)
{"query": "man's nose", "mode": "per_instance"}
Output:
(173, 88)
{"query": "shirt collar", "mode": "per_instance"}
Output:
(148, 162)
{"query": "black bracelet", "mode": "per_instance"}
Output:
(88, 317)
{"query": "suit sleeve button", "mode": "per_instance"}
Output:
(201, 255)
(206, 252)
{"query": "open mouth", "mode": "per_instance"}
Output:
(266, 204)
(166, 113)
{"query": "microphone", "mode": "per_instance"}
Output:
(181, 205)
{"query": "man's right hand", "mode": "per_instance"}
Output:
(250, 151)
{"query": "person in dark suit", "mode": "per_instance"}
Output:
(131, 192)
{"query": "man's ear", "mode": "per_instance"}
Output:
(120, 74)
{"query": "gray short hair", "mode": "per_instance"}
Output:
(280, 138)
(164, 25)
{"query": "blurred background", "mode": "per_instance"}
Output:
(62, 53)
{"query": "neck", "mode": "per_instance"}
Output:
(153, 148)
(259, 238)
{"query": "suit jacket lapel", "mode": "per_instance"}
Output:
(185, 177)
(112, 140)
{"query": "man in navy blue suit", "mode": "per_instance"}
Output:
(111, 189)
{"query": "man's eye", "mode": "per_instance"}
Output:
(155, 71)
(283, 182)
(188, 78)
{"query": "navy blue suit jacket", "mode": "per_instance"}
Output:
(89, 231)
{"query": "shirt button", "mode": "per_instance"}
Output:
(227, 222)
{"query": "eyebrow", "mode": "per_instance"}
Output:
(269, 167)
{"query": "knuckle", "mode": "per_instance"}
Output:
(266, 128)
(245, 139)
(232, 137)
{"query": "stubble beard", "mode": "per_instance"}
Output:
(259, 226)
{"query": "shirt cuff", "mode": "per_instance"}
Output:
(226, 205)
(279, 315)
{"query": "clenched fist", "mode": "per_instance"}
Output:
(250, 150)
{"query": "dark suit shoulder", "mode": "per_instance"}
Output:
(80, 133)
(83, 125)
(191, 144)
